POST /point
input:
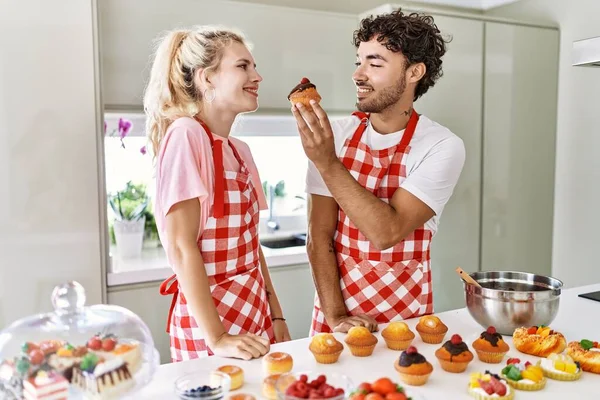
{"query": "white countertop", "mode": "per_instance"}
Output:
(153, 266)
(577, 319)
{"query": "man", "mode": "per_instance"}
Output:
(379, 180)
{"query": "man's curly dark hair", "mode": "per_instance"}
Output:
(415, 35)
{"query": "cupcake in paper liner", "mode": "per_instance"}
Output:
(490, 346)
(361, 341)
(431, 329)
(560, 367)
(523, 376)
(397, 335)
(488, 386)
(326, 348)
(413, 368)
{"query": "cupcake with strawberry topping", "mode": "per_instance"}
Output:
(523, 376)
(490, 346)
(454, 355)
(303, 93)
(489, 386)
(413, 368)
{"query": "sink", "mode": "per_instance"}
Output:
(285, 241)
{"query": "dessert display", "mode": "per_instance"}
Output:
(413, 368)
(316, 389)
(277, 363)
(587, 354)
(490, 346)
(540, 341)
(303, 93)
(397, 336)
(523, 376)
(361, 341)
(326, 348)
(560, 367)
(49, 355)
(431, 329)
(384, 387)
(454, 355)
(489, 386)
(235, 373)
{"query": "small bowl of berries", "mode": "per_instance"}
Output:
(202, 385)
(313, 385)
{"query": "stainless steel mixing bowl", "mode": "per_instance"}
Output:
(508, 300)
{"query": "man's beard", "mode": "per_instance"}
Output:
(387, 97)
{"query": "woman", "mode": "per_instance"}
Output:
(209, 197)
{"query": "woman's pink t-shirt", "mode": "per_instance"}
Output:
(185, 170)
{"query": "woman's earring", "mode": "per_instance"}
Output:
(212, 96)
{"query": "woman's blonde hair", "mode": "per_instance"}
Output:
(171, 92)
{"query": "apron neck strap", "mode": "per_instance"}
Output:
(406, 137)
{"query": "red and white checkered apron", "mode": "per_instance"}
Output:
(229, 246)
(387, 284)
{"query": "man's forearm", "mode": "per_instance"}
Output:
(372, 216)
(321, 255)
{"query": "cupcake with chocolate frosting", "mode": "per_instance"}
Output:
(454, 355)
(303, 93)
(490, 346)
(413, 368)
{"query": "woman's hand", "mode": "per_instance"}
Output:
(282, 333)
(246, 347)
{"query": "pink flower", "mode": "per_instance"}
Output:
(124, 127)
(143, 150)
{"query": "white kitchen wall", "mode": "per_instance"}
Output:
(49, 218)
(577, 184)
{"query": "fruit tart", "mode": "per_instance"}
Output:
(454, 355)
(560, 367)
(489, 386)
(490, 346)
(413, 368)
(539, 341)
(523, 376)
(587, 354)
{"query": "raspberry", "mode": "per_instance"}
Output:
(304, 80)
(491, 330)
(411, 350)
(456, 340)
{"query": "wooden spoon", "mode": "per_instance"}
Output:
(466, 277)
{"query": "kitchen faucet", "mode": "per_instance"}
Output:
(272, 224)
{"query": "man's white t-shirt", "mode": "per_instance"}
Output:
(433, 165)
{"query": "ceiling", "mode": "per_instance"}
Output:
(360, 6)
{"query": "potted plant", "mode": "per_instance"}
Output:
(129, 206)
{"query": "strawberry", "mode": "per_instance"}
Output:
(497, 385)
(487, 387)
(596, 345)
(94, 343)
(36, 357)
(411, 350)
(456, 340)
(501, 390)
(513, 361)
(532, 330)
(527, 364)
(304, 80)
(109, 344)
(491, 330)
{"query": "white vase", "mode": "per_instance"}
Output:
(129, 236)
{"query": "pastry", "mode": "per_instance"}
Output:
(46, 386)
(66, 358)
(490, 346)
(241, 396)
(587, 354)
(397, 335)
(431, 329)
(361, 341)
(268, 387)
(303, 93)
(109, 346)
(277, 363)
(235, 373)
(523, 376)
(413, 368)
(539, 341)
(102, 379)
(560, 367)
(325, 348)
(454, 355)
(489, 386)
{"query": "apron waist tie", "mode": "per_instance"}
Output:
(172, 289)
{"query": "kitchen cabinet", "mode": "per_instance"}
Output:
(293, 284)
(288, 44)
(519, 147)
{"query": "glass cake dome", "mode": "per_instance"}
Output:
(100, 352)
